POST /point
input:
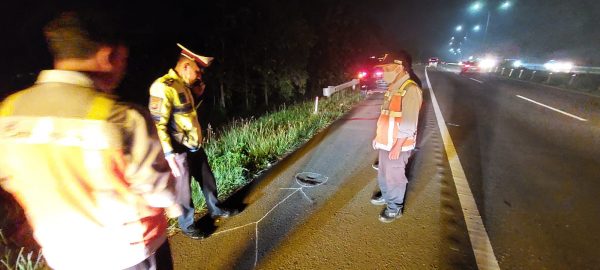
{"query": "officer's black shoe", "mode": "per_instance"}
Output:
(388, 215)
(224, 213)
(376, 165)
(378, 199)
(195, 234)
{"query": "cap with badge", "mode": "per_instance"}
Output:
(203, 61)
(401, 58)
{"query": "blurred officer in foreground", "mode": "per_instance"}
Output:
(396, 133)
(173, 109)
(89, 171)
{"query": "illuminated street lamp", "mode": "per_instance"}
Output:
(458, 28)
(476, 6)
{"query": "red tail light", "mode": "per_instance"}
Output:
(362, 74)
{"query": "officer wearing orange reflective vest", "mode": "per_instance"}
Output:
(173, 109)
(396, 133)
(88, 170)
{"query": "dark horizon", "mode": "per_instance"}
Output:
(533, 30)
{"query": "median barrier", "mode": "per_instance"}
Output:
(584, 82)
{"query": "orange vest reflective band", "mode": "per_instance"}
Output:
(389, 119)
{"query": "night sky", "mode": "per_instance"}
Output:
(539, 30)
(536, 30)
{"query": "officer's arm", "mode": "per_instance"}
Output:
(147, 171)
(160, 105)
(411, 104)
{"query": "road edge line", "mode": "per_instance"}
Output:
(480, 241)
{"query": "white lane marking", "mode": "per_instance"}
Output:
(482, 248)
(476, 80)
(551, 108)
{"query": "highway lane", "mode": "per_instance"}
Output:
(534, 170)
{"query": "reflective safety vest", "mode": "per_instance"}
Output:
(174, 113)
(85, 170)
(390, 118)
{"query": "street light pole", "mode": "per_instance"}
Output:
(486, 30)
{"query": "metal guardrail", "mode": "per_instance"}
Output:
(328, 91)
(585, 79)
(575, 69)
(541, 67)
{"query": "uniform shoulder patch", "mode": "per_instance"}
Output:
(155, 104)
(169, 81)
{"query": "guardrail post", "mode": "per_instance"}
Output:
(549, 77)
(332, 89)
(521, 73)
(511, 71)
(316, 105)
(572, 79)
(532, 75)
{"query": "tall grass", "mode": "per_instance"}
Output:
(12, 260)
(246, 147)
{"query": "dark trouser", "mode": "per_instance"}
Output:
(160, 260)
(392, 179)
(195, 164)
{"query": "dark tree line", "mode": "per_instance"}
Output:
(268, 52)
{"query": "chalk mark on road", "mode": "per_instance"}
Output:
(552, 108)
(476, 80)
(255, 223)
(480, 241)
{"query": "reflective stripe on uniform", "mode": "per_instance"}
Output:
(182, 109)
(100, 108)
(9, 104)
(392, 114)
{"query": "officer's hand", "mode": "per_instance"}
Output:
(394, 153)
(374, 144)
(173, 165)
(396, 149)
(198, 90)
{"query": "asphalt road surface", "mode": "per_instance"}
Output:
(531, 154)
(533, 173)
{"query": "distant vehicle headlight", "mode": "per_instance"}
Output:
(488, 62)
(517, 64)
(556, 66)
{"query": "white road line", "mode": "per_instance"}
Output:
(482, 248)
(551, 108)
(476, 80)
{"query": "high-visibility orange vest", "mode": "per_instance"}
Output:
(390, 118)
